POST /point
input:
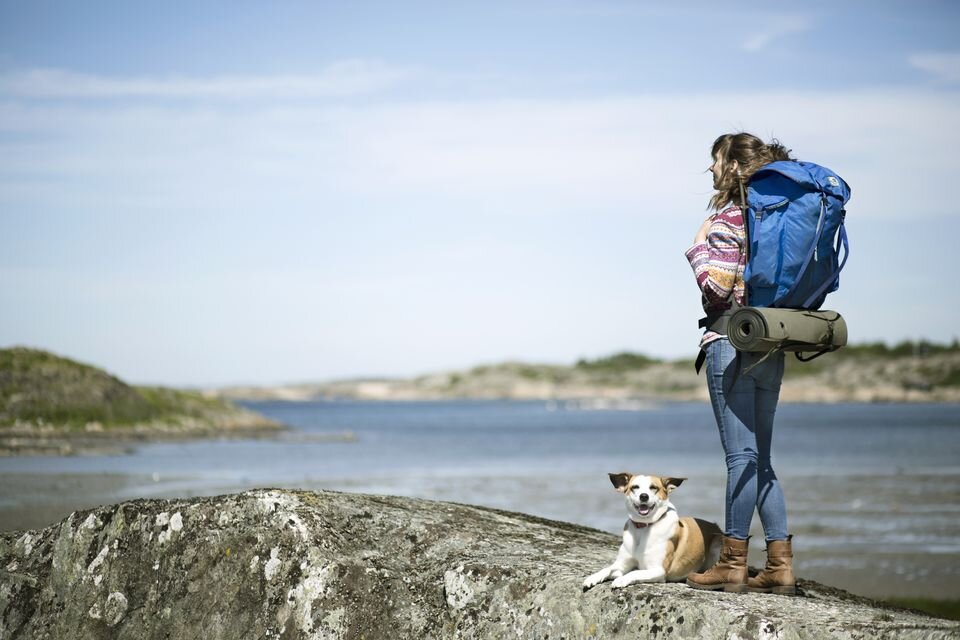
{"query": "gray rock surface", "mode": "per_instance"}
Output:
(286, 564)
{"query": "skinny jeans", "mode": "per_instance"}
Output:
(744, 405)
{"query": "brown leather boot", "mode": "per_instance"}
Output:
(777, 576)
(730, 572)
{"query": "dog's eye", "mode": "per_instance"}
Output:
(652, 488)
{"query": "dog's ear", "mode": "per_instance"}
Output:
(671, 483)
(620, 481)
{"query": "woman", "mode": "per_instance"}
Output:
(744, 397)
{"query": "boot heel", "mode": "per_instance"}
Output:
(731, 587)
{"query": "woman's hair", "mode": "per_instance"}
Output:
(750, 153)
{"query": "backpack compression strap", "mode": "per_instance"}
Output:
(841, 240)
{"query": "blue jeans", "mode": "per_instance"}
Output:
(744, 405)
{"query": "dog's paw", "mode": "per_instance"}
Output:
(595, 578)
(621, 582)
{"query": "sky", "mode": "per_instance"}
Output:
(210, 193)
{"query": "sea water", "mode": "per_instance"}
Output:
(873, 491)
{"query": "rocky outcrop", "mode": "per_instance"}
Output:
(284, 564)
(50, 405)
(849, 375)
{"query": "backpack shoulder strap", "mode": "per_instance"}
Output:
(744, 213)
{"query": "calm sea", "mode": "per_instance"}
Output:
(873, 491)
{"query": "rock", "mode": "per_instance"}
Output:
(287, 564)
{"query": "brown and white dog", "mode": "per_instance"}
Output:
(658, 545)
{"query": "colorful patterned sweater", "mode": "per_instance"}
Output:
(718, 264)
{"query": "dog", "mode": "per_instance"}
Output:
(658, 545)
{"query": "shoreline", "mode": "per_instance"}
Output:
(30, 439)
(601, 401)
(854, 374)
(47, 440)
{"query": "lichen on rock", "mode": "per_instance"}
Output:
(288, 564)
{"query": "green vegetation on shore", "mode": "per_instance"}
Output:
(879, 352)
(926, 365)
(43, 391)
(627, 361)
(906, 348)
(40, 387)
(617, 363)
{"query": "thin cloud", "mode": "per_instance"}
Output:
(776, 29)
(339, 79)
(944, 66)
(528, 155)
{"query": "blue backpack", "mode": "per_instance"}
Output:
(795, 230)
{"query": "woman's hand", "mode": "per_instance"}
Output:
(704, 229)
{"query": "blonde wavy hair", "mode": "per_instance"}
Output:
(744, 152)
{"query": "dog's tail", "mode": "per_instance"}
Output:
(712, 541)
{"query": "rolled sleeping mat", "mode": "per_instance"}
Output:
(763, 329)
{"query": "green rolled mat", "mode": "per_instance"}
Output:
(763, 329)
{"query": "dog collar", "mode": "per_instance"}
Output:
(644, 525)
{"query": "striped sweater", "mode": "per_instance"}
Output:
(718, 264)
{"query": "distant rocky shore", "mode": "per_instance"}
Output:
(858, 374)
(26, 438)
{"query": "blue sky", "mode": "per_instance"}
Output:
(208, 193)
